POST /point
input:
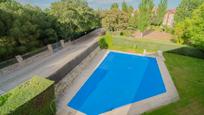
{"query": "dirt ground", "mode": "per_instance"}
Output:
(155, 35)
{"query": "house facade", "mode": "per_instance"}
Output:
(169, 18)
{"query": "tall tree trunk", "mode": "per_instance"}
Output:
(141, 34)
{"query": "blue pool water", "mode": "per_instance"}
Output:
(119, 80)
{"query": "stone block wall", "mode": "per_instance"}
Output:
(67, 81)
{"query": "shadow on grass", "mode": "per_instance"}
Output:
(148, 32)
(188, 51)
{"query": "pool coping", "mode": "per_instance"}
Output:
(170, 96)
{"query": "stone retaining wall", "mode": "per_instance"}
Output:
(58, 75)
(67, 81)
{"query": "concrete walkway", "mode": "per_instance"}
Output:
(47, 66)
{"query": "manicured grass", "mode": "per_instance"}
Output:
(128, 43)
(188, 76)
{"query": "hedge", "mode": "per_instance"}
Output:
(34, 97)
(103, 44)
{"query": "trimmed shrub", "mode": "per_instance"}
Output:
(103, 44)
(121, 33)
(34, 97)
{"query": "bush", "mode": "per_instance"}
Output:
(103, 44)
(34, 97)
(121, 33)
(179, 41)
(21, 49)
(127, 32)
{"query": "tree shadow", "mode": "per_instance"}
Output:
(188, 51)
(173, 40)
(148, 32)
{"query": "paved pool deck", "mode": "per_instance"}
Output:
(47, 66)
(137, 108)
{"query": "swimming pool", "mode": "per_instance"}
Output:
(119, 80)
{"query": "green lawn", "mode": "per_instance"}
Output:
(186, 66)
(138, 45)
(128, 43)
(188, 76)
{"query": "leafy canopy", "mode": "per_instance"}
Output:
(145, 14)
(185, 9)
(160, 12)
(190, 30)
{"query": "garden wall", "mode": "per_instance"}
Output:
(57, 76)
(34, 97)
(67, 81)
(68, 67)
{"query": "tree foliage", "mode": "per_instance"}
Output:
(24, 28)
(160, 12)
(190, 30)
(115, 6)
(124, 7)
(115, 19)
(76, 15)
(145, 14)
(133, 20)
(185, 9)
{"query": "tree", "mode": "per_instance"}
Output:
(130, 9)
(75, 15)
(5, 22)
(190, 31)
(144, 15)
(124, 7)
(161, 11)
(185, 9)
(115, 20)
(5, 1)
(115, 6)
(179, 32)
(24, 28)
(132, 23)
(195, 25)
